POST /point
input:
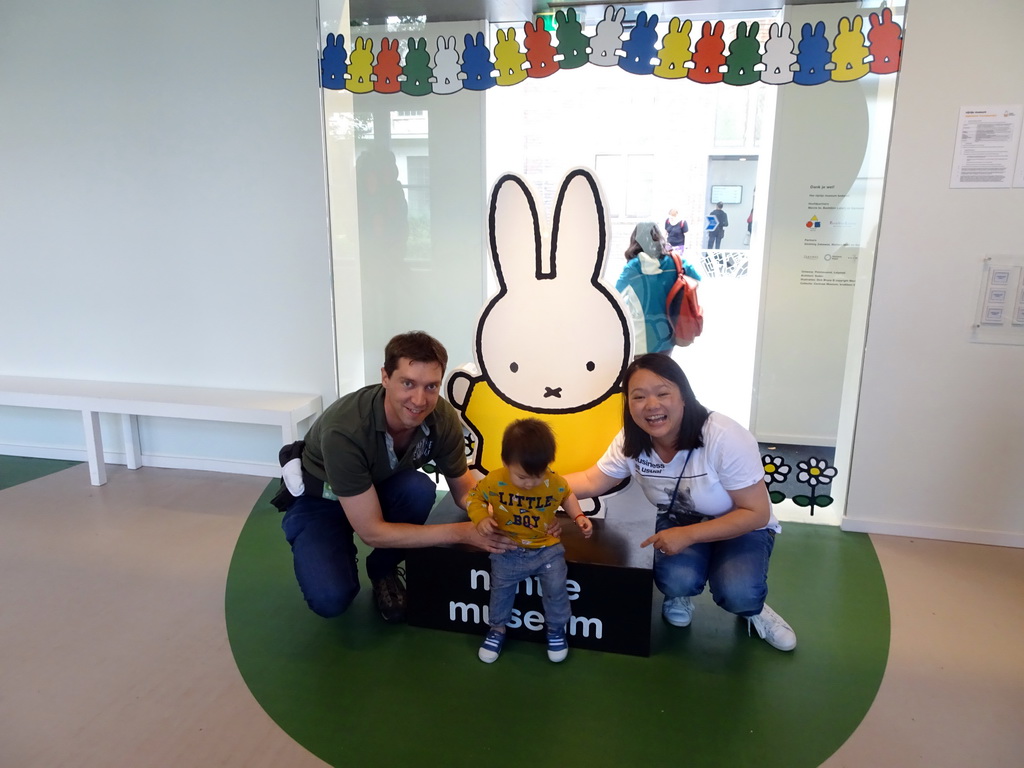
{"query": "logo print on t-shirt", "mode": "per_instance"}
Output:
(681, 503)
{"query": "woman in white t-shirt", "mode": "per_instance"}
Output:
(703, 473)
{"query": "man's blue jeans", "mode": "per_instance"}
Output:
(510, 568)
(735, 569)
(324, 553)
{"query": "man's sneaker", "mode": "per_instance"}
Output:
(491, 647)
(558, 646)
(389, 595)
(678, 611)
(773, 629)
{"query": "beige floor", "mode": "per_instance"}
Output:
(113, 649)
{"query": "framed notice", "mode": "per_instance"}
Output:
(999, 317)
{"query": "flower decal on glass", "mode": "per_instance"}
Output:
(814, 472)
(775, 471)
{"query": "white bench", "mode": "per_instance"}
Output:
(281, 409)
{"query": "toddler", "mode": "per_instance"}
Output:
(520, 500)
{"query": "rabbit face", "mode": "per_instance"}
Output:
(554, 338)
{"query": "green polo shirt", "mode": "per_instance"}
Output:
(349, 448)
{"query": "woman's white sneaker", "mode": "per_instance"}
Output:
(678, 611)
(773, 629)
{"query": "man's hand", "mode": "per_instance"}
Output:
(486, 536)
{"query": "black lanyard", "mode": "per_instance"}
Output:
(679, 479)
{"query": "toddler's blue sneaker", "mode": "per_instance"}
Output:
(491, 647)
(558, 647)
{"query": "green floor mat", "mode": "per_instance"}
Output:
(357, 692)
(15, 470)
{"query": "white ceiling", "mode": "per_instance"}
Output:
(376, 11)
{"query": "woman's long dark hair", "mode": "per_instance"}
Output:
(694, 414)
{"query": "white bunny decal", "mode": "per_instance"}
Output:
(554, 340)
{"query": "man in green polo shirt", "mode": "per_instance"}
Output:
(359, 475)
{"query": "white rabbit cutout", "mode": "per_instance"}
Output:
(553, 342)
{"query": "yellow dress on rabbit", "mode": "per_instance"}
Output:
(582, 437)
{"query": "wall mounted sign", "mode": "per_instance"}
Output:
(999, 317)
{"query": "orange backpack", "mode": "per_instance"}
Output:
(683, 307)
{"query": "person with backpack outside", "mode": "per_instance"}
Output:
(715, 235)
(645, 282)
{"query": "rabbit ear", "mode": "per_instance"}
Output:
(515, 231)
(578, 231)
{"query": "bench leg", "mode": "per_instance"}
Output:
(289, 433)
(94, 447)
(130, 429)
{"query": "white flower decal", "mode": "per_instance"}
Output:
(814, 471)
(775, 469)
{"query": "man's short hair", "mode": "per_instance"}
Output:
(417, 346)
(530, 443)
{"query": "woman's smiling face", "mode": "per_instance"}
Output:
(656, 405)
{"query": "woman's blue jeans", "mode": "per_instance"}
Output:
(324, 552)
(735, 569)
(510, 568)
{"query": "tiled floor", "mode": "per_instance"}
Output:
(115, 653)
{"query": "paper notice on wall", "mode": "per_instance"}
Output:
(986, 146)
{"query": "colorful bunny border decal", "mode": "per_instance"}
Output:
(858, 47)
(553, 342)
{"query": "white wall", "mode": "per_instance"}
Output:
(938, 449)
(162, 207)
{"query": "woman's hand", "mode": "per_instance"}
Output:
(671, 541)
